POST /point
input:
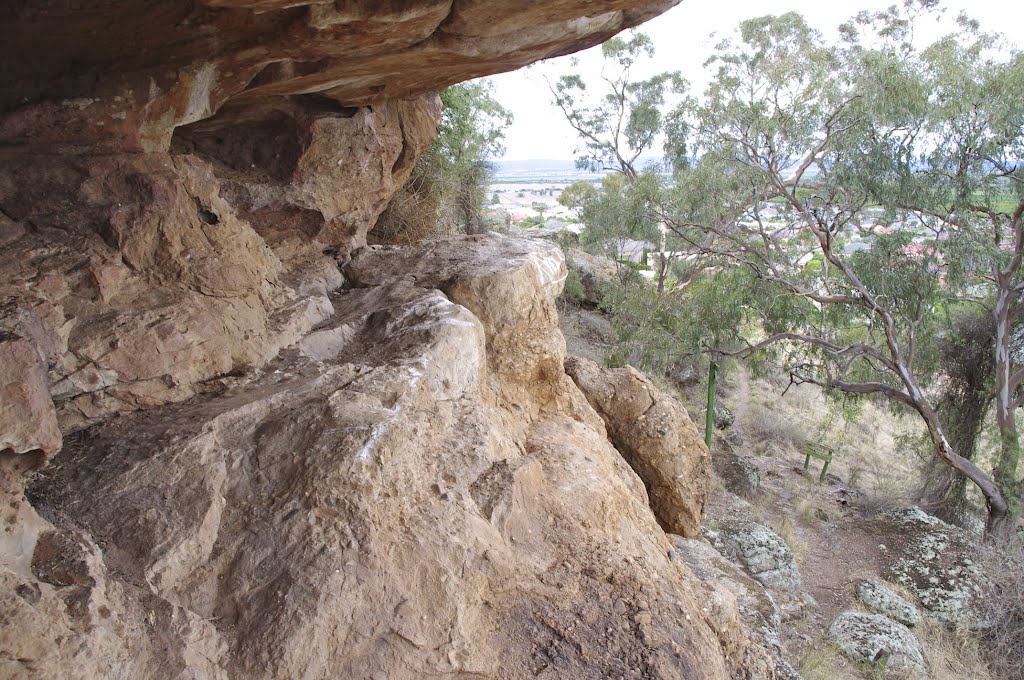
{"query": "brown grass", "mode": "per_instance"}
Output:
(1005, 608)
(954, 654)
(867, 456)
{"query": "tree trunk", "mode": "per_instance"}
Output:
(998, 523)
(944, 492)
(1005, 472)
(969, 373)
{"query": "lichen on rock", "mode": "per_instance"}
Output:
(761, 551)
(936, 562)
(879, 641)
(880, 598)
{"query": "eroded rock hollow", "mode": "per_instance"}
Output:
(257, 448)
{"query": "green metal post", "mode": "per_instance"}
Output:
(709, 425)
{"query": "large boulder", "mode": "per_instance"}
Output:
(415, 490)
(762, 551)
(938, 563)
(879, 641)
(655, 435)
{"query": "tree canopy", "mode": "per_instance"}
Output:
(845, 199)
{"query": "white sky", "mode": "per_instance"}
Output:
(681, 41)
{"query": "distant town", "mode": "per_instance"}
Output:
(528, 192)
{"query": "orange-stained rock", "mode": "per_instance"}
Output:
(656, 436)
(27, 419)
(121, 76)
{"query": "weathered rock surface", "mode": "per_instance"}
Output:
(179, 184)
(937, 563)
(761, 551)
(27, 419)
(413, 490)
(879, 597)
(122, 76)
(723, 417)
(758, 616)
(872, 637)
(390, 479)
(656, 436)
(739, 475)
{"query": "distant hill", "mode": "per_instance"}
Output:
(535, 165)
(541, 169)
(548, 168)
(553, 169)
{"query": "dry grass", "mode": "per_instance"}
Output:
(867, 456)
(819, 663)
(787, 532)
(767, 432)
(872, 455)
(1005, 608)
(951, 655)
(954, 654)
(807, 510)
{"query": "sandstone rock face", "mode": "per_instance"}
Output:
(872, 638)
(122, 76)
(937, 563)
(656, 436)
(879, 597)
(389, 498)
(179, 183)
(762, 552)
(143, 280)
(331, 461)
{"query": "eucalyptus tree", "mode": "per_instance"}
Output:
(472, 128)
(972, 145)
(622, 121)
(856, 180)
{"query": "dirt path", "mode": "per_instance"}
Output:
(742, 395)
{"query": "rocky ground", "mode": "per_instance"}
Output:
(845, 583)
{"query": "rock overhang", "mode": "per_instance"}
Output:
(121, 76)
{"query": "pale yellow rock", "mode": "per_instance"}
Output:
(380, 509)
(656, 436)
